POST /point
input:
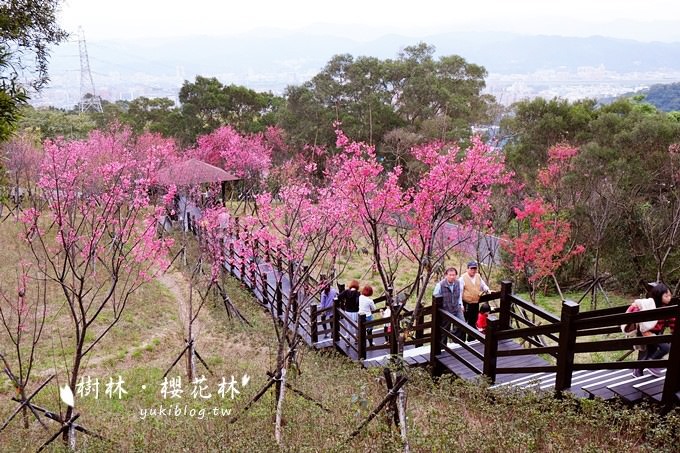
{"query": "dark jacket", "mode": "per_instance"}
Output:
(349, 300)
(450, 297)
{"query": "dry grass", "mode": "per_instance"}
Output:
(443, 416)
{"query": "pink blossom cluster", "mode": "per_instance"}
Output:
(542, 243)
(97, 197)
(560, 159)
(246, 156)
(456, 187)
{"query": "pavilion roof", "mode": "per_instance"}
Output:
(193, 171)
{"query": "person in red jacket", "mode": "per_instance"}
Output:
(483, 317)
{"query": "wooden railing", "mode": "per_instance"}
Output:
(571, 334)
(515, 319)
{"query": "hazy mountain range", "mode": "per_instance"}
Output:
(273, 59)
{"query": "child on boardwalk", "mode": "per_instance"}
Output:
(483, 317)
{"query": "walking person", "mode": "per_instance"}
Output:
(472, 287)
(661, 297)
(449, 289)
(349, 302)
(328, 295)
(366, 307)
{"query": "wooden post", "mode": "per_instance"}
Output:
(313, 326)
(435, 345)
(242, 277)
(336, 323)
(293, 300)
(506, 302)
(420, 331)
(267, 251)
(671, 385)
(394, 337)
(231, 255)
(279, 300)
(253, 280)
(265, 288)
(237, 227)
(565, 355)
(279, 261)
(361, 337)
(491, 348)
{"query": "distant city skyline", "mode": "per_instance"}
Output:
(150, 47)
(652, 20)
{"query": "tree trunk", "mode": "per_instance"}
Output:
(401, 406)
(69, 436)
(191, 362)
(278, 434)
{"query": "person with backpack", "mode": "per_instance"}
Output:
(661, 297)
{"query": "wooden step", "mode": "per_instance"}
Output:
(550, 382)
(627, 390)
(590, 378)
(599, 388)
(524, 380)
(652, 389)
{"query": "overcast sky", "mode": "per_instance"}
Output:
(103, 19)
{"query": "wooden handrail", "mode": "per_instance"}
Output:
(488, 297)
(462, 360)
(573, 325)
(535, 309)
(350, 334)
(592, 322)
(460, 343)
(531, 324)
(379, 322)
(603, 312)
(528, 331)
(598, 331)
(620, 343)
(552, 350)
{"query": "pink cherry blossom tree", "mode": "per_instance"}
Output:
(541, 244)
(451, 203)
(205, 276)
(21, 158)
(301, 231)
(248, 156)
(95, 237)
(372, 201)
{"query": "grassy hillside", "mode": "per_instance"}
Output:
(446, 415)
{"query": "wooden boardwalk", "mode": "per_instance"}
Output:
(524, 346)
(462, 368)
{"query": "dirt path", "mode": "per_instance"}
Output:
(178, 286)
